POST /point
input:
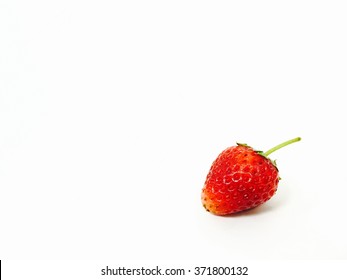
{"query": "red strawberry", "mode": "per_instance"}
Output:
(240, 179)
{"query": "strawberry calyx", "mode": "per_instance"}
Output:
(258, 152)
(247, 146)
(267, 153)
(243, 145)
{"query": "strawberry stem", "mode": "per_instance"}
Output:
(281, 146)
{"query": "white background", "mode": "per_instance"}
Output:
(111, 113)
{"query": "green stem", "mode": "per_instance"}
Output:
(281, 146)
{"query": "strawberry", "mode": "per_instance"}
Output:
(241, 178)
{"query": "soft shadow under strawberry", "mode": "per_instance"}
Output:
(260, 210)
